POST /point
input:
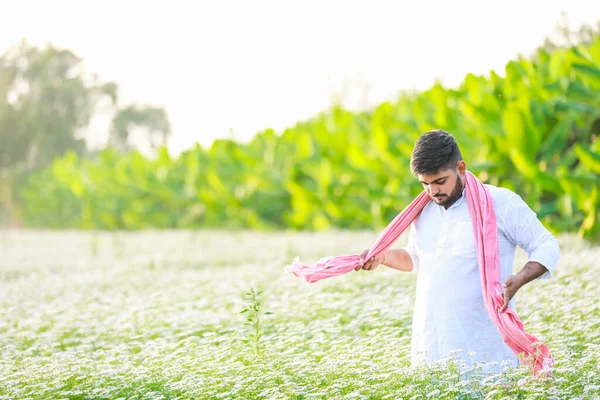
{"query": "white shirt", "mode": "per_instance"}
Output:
(449, 313)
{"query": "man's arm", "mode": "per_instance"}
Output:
(397, 259)
(532, 270)
(524, 229)
(403, 259)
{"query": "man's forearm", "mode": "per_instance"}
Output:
(532, 270)
(398, 259)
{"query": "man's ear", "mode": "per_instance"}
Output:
(462, 168)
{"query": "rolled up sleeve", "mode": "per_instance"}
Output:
(411, 249)
(523, 228)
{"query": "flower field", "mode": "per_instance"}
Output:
(212, 315)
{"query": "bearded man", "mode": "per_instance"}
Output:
(449, 315)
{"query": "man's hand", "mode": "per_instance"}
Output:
(510, 287)
(369, 264)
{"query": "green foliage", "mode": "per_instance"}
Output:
(46, 104)
(532, 130)
(253, 320)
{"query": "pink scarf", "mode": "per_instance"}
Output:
(481, 209)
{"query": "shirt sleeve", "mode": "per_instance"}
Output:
(411, 249)
(523, 228)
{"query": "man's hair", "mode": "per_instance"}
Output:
(434, 151)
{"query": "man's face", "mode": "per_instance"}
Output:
(444, 187)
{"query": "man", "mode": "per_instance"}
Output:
(449, 312)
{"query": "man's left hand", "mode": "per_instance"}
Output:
(510, 287)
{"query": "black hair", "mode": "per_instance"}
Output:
(434, 151)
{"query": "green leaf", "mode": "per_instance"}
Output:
(523, 164)
(514, 128)
(581, 52)
(356, 156)
(578, 92)
(557, 139)
(589, 71)
(589, 159)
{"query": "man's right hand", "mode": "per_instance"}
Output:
(370, 264)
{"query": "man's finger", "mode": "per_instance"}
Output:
(371, 264)
(505, 296)
(505, 286)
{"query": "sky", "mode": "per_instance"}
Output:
(227, 68)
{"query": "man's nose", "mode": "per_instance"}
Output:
(434, 190)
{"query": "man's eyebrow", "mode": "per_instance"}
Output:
(438, 179)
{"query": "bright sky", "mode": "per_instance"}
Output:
(243, 66)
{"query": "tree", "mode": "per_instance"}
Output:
(46, 102)
(152, 121)
(46, 105)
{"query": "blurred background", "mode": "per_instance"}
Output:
(271, 115)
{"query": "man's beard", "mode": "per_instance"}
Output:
(455, 195)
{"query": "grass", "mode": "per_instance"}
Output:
(157, 315)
